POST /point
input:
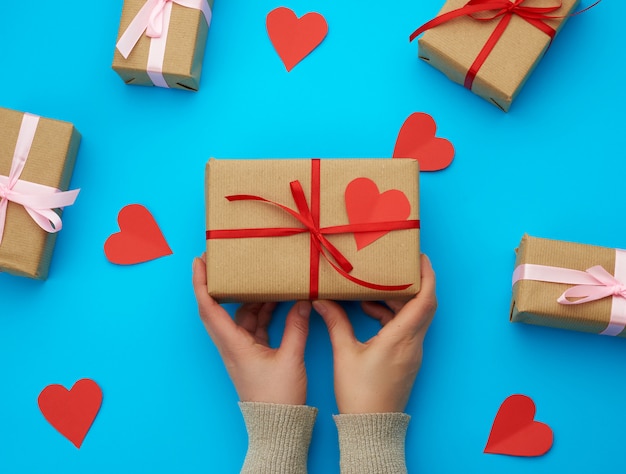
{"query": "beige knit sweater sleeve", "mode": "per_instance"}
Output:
(372, 443)
(278, 437)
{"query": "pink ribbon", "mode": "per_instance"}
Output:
(38, 200)
(593, 284)
(154, 19)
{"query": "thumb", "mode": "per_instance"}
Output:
(339, 328)
(296, 329)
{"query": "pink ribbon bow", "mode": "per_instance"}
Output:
(38, 200)
(152, 19)
(593, 284)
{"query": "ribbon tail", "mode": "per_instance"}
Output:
(135, 29)
(599, 273)
(54, 200)
(3, 216)
(363, 283)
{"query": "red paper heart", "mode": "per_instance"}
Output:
(514, 431)
(294, 38)
(139, 239)
(417, 140)
(71, 412)
(365, 203)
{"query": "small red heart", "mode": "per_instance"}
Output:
(365, 203)
(294, 38)
(514, 431)
(139, 239)
(417, 140)
(71, 412)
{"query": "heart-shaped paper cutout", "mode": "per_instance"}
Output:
(71, 412)
(139, 239)
(365, 203)
(417, 140)
(516, 433)
(294, 38)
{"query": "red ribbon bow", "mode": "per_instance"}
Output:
(503, 9)
(309, 217)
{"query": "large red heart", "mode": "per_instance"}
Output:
(417, 140)
(71, 412)
(294, 38)
(365, 203)
(139, 239)
(514, 431)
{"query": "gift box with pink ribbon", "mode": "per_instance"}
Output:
(491, 46)
(288, 229)
(571, 286)
(161, 42)
(37, 158)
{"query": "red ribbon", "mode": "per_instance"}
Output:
(309, 217)
(503, 9)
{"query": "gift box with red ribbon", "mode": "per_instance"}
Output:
(289, 229)
(491, 46)
(37, 158)
(161, 42)
(570, 286)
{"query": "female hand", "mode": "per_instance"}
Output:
(377, 376)
(259, 372)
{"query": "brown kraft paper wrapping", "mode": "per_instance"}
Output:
(535, 302)
(277, 268)
(26, 249)
(453, 46)
(184, 52)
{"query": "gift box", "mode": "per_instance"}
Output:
(162, 43)
(37, 158)
(491, 51)
(297, 229)
(570, 286)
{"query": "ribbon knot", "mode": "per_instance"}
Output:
(619, 290)
(500, 7)
(156, 19)
(514, 5)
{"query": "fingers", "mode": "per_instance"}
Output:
(296, 329)
(255, 318)
(396, 305)
(246, 316)
(217, 321)
(378, 311)
(339, 327)
(264, 318)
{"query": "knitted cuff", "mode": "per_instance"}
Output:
(372, 442)
(278, 437)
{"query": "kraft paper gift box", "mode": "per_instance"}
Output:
(453, 46)
(266, 218)
(162, 43)
(570, 286)
(37, 158)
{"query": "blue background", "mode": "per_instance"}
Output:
(552, 167)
